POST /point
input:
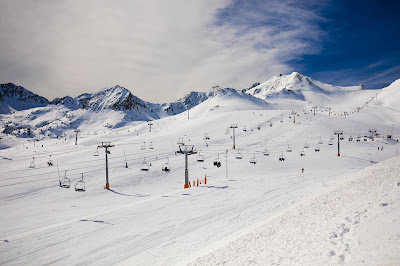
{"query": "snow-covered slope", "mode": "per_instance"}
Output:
(17, 98)
(189, 101)
(355, 223)
(297, 92)
(390, 96)
(229, 100)
(147, 217)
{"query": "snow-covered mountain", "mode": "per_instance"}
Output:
(189, 101)
(296, 91)
(390, 96)
(115, 98)
(116, 107)
(17, 98)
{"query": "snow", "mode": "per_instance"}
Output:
(148, 218)
(355, 223)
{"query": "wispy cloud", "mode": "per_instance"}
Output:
(158, 49)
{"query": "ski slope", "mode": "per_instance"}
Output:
(147, 218)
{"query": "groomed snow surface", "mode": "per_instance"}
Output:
(356, 223)
(264, 213)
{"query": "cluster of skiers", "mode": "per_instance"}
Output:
(380, 148)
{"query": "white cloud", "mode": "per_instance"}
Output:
(160, 50)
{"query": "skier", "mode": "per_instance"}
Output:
(302, 170)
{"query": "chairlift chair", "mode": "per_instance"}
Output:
(341, 138)
(266, 152)
(65, 182)
(96, 153)
(180, 142)
(50, 161)
(320, 141)
(239, 156)
(200, 158)
(302, 153)
(206, 137)
(317, 148)
(151, 146)
(166, 167)
(253, 160)
(306, 145)
(289, 149)
(217, 162)
(32, 164)
(80, 185)
(244, 129)
(143, 146)
(330, 142)
(259, 127)
(332, 137)
(281, 157)
(351, 138)
(145, 166)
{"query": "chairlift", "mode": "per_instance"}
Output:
(253, 160)
(358, 138)
(143, 146)
(206, 136)
(330, 142)
(145, 166)
(96, 153)
(317, 148)
(80, 184)
(351, 138)
(302, 153)
(166, 167)
(50, 161)
(320, 141)
(289, 149)
(239, 156)
(281, 157)
(32, 164)
(244, 129)
(266, 152)
(217, 162)
(180, 142)
(200, 158)
(341, 137)
(151, 146)
(65, 182)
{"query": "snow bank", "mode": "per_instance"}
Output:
(355, 223)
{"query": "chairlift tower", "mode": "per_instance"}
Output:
(338, 133)
(314, 107)
(233, 126)
(150, 124)
(186, 149)
(106, 145)
(294, 117)
(76, 136)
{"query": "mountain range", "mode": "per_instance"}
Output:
(25, 114)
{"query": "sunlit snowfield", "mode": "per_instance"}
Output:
(147, 217)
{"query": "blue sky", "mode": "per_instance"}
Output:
(161, 50)
(350, 42)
